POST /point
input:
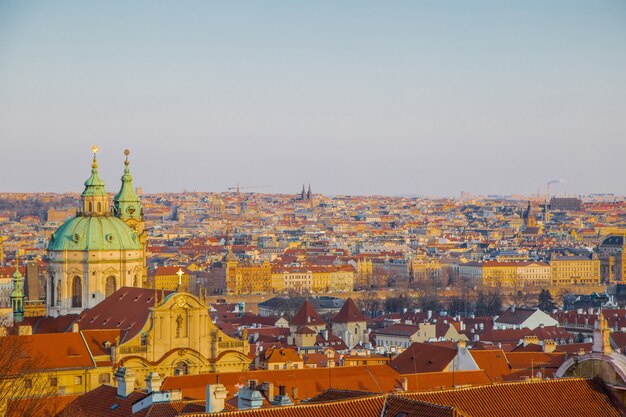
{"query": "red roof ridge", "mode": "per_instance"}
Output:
(349, 313)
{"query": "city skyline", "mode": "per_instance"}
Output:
(354, 98)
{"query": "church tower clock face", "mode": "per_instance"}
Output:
(130, 210)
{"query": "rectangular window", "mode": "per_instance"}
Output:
(54, 381)
(78, 380)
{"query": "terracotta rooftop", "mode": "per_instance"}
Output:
(54, 350)
(282, 355)
(44, 324)
(305, 330)
(309, 382)
(554, 398)
(332, 394)
(516, 316)
(349, 313)
(306, 316)
(423, 357)
(127, 310)
(493, 362)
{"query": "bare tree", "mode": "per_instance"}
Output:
(370, 305)
(23, 387)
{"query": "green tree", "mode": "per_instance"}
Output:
(546, 302)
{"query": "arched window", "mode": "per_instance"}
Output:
(181, 369)
(109, 286)
(77, 292)
(90, 206)
(52, 293)
(99, 206)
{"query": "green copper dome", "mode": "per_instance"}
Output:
(87, 233)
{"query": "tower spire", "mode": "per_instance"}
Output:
(126, 203)
(94, 198)
(17, 294)
(127, 207)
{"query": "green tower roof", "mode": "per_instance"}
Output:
(17, 290)
(94, 186)
(126, 201)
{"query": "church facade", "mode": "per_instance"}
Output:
(99, 250)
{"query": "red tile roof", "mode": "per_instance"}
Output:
(349, 313)
(53, 350)
(306, 316)
(493, 362)
(554, 398)
(423, 357)
(127, 309)
(309, 381)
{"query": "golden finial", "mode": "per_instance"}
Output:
(94, 164)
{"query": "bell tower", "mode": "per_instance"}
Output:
(17, 295)
(127, 207)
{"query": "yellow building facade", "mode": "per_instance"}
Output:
(574, 270)
(247, 278)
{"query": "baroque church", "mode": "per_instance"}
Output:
(99, 250)
(97, 270)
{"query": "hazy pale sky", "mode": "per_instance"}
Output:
(354, 97)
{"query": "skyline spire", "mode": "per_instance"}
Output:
(126, 202)
(17, 293)
(94, 198)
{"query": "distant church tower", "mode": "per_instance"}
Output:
(530, 220)
(17, 295)
(309, 197)
(95, 253)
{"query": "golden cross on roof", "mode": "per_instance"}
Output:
(94, 149)
(180, 274)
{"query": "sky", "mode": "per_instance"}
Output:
(353, 97)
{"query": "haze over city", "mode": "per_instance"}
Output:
(428, 98)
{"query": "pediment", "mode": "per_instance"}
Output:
(181, 300)
(110, 271)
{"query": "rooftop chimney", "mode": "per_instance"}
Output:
(282, 399)
(249, 397)
(549, 346)
(153, 382)
(405, 384)
(215, 398)
(268, 389)
(125, 378)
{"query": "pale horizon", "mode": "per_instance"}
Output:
(356, 98)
